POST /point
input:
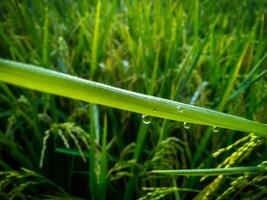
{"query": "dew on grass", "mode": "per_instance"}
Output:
(180, 109)
(155, 110)
(215, 129)
(146, 119)
(186, 125)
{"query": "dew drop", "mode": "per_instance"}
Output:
(186, 125)
(155, 110)
(146, 119)
(180, 109)
(215, 129)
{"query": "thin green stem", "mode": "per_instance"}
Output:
(211, 172)
(53, 82)
(95, 40)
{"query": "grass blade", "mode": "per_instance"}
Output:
(93, 155)
(95, 40)
(211, 172)
(53, 82)
(103, 163)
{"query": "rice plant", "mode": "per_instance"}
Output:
(133, 99)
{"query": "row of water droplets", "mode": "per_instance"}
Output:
(146, 119)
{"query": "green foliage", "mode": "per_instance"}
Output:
(24, 184)
(208, 53)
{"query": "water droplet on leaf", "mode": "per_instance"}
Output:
(146, 119)
(215, 129)
(180, 109)
(186, 125)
